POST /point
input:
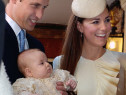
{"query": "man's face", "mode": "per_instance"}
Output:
(26, 13)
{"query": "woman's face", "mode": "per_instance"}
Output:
(96, 30)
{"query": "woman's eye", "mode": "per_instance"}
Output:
(107, 20)
(95, 22)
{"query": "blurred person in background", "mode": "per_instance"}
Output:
(5, 85)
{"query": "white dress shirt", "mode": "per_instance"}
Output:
(16, 28)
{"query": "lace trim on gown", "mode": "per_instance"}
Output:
(47, 86)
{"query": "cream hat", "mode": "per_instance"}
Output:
(88, 8)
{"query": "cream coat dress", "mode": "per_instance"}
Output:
(97, 77)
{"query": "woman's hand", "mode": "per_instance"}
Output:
(71, 84)
(60, 87)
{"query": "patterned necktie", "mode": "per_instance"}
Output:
(22, 40)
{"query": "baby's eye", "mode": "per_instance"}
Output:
(42, 63)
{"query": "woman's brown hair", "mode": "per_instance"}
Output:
(72, 47)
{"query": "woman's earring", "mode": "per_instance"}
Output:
(82, 35)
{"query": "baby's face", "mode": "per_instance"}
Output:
(40, 68)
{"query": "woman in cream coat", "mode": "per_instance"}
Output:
(97, 70)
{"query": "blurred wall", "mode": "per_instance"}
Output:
(59, 11)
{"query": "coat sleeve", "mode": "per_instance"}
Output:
(56, 62)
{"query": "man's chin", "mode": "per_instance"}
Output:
(30, 29)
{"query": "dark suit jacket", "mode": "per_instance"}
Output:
(11, 52)
(2, 26)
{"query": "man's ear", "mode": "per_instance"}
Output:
(80, 27)
(28, 72)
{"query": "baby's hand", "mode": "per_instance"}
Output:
(71, 84)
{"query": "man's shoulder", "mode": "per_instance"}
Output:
(32, 39)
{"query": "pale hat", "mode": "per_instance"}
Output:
(88, 8)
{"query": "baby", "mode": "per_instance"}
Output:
(40, 79)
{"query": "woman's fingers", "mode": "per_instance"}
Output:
(60, 86)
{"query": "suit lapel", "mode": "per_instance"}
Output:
(11, 39)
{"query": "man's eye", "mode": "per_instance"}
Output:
(44, 7)
(35, 6)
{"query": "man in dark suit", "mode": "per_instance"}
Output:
(20, 15)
